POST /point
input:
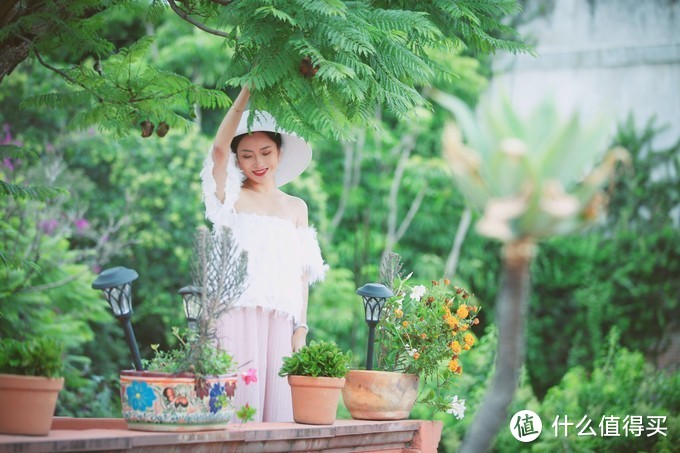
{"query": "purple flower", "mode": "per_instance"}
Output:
(215, 401)
(81, 224)
(7, 162)
(48, 226)
(8, 135)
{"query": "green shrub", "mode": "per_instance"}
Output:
(37, 357)
(622, 384)
(318, 359)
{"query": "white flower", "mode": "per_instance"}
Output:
(418, 292)
(410, 351)
(457, 408)
(399, 302)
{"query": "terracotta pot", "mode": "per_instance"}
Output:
(380, 395)
(169, 402)
(28, 403)
(315, 399)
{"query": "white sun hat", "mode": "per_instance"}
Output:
(295, 152)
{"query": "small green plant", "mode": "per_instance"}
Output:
(219, 270)
(35, 357)
(209, 360)
(318, 359)
(246, 413)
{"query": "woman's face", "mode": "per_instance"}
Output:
(258, 157)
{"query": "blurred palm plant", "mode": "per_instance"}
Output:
(532, 179)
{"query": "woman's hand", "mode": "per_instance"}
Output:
(299, 338)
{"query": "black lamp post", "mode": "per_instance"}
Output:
(115, 283)
(374, 295)
(191, 296)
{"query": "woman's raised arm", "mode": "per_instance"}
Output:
(225, 134)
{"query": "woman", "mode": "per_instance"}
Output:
(241, 176)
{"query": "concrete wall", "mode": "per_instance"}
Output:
(598, 57)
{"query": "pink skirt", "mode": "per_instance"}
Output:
(259, 339)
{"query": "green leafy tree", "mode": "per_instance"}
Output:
(317, 66)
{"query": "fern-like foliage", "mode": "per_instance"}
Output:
(129, 91)
(319, 66)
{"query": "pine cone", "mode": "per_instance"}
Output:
(306, 68)
(147, 128)
(163, 129)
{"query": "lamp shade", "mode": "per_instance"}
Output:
(115, 284)
(191, 296)
(374, 295)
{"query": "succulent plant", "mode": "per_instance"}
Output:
(532, 179)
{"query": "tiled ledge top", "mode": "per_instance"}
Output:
(82, 434)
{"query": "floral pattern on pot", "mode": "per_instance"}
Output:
(140, 396)
(164, 402)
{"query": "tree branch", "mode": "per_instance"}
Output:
(454, 254)
(55, 69)
(181, 13)
(350, 179)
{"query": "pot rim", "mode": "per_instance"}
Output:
(29, 377)
(381, 372)
(159, 374)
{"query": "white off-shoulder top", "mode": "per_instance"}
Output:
(279, 252)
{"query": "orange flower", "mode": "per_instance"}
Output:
(447, 312)
(462, 312)
(423, 336)
(405, 323)
(463, 328)
(447, 281)
(455, 347)
(398, 313)
(435, 283)
(469, 339)
(416, 355)
(476, 321)
(452, 321)
(453, 365)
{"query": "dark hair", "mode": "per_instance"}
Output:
(274, 136)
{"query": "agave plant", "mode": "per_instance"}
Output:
(532, 179)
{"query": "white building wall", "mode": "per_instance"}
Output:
(599, 57)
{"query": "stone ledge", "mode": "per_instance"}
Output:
(82, 434)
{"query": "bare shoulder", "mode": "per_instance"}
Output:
(298, 208)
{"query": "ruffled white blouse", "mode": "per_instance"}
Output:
(279, 253)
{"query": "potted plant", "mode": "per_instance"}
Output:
(316, 374)
(30, 381)
(420, 336)
(190, 388)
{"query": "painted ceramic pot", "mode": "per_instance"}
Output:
(380, 395)
(169, 402)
